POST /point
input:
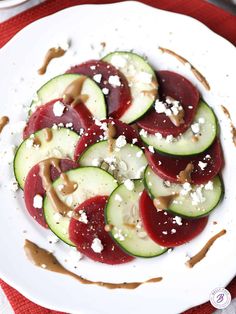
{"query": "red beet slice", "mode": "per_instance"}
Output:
(33, 186)
(44, 117)
(164, 228)
(95, 134)
(206, 165)
(179, 88)
(82, 234)
(118, 98)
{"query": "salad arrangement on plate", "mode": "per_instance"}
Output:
(120, 160)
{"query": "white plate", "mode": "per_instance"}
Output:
(124, 26)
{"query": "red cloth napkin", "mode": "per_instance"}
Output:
(219, 21)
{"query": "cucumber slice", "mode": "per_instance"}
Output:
(184, 145)
(62, 145)
(127, 162)
(122, 212)
(142, 81)
(54, 89)
(200, 201)
(91, 181)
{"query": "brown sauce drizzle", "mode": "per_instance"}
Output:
(44, 172)
(163, 202)
(108, 227)
(3, 122)
(72, 94)
(195, 72)
(200, 255)
(48, 134)
(185, 175)
(151, 92)
(36, 142)
(68, 186)
(111, 133)
(195, 138)
(42, 258)
(51, 54)
(233, 128)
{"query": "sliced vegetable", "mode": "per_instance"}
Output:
(54, 89)
(166, 229)
(173, 87)
(37, 148)
(122, 213)
(117, 96)
(126, 162)
(91, 181)
(184, 199)
(190, 142)
(205, 165)
(142, 81)
(87, 232)
(98, 132)
(34, 190)
(57, 113)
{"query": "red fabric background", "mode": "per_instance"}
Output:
(219, 21)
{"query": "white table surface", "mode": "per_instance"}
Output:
(5, 307)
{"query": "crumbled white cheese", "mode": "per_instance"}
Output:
(96, 162)
(197, 196)
(195, 128)
(143, 133)
(52, 238)
(160, 106)
(105, 91)
(165, 232)
(173, 231)
(38, 201)
(158, 136)
(118, 198)
(97, 122)
(57, 216)
(104, 126)
(29, 143)
(58, 108)
(121, 141)
(202, 165)
(169, 138)
(114, 80)
(119, 235)
(134, 140)
(83, 217)
(151, 149)
(97, 78)
(139, 154)
(178, 220)
(93, 67)
(13, 185)
(118, 61)
(207, 157)
(129, 184)
(167, 183)
(69, 125)
(144, 77)
(186, 188)
(209, 186)
(96, 245)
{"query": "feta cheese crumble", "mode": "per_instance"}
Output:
(118, 61)
(151, 149)
(83, 217)
(118, 198)
(195, 128)
(202, 165)
(144, 77)
(38, 201)
(129, 184)
(96, 245)
(114, 80)
(143, 133)
(209, 186)
(121, 141)
(58, 108)
(105, 91)
(97, 78)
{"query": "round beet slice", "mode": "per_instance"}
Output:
(165, 229)
(44, 117)
(33, 186)
(206, 165)
(83, 234)
(180, 89)
(118, 98)
(96, 133)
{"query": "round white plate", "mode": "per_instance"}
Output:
(123, 26)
